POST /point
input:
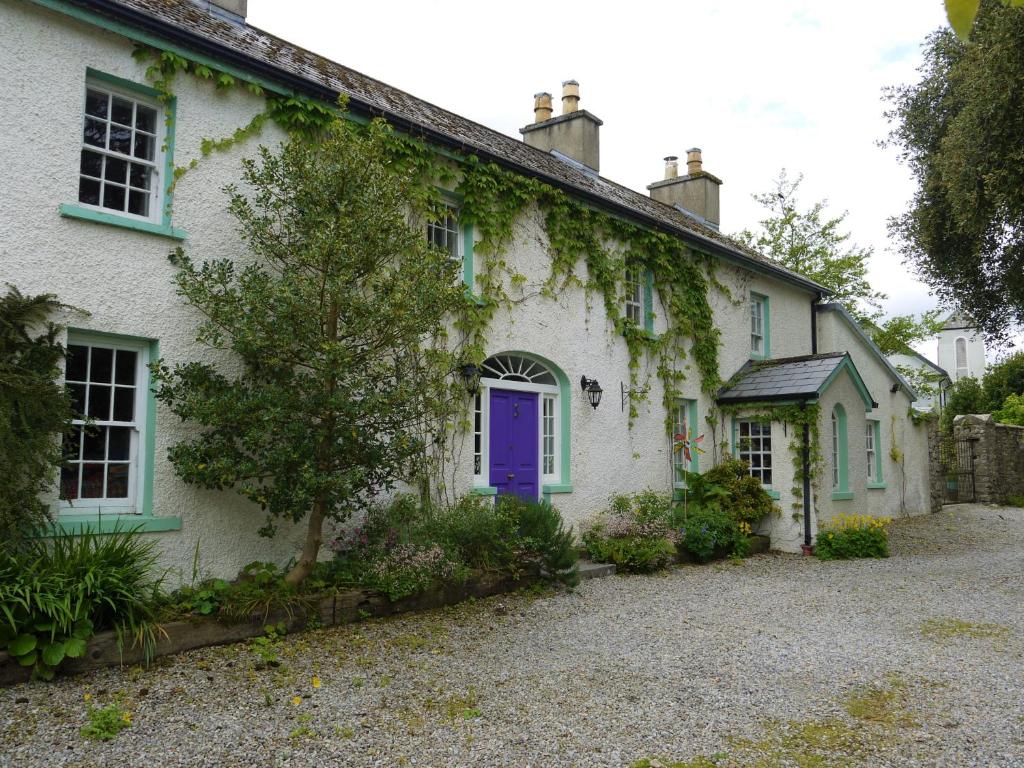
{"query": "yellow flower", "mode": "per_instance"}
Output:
(316, 681)
(296, 700)
(127, 717)
(87, 696)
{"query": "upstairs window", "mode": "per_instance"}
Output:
(634, 288)
(759, 333)
(872, 438)
(962, 371)
(754, 446)
(122, 152)
(445, 233)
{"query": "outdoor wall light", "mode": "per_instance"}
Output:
(593, 390)
(470, 373)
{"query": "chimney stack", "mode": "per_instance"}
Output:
(696, 192)
(573, 135)
(226, 10)
(541, 107)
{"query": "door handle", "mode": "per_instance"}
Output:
(510, 476)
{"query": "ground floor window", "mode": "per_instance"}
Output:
(683, 434)
(108, 383)
(754, 446)
(872, 434)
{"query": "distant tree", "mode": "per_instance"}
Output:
(959, 129)
(34, 410)
(1012, 411)
(900, 333)
(332, 320)
(1003, 379)
(965, 396)
(961, 14)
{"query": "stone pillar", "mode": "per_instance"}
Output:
(936, 476)
(998, 456)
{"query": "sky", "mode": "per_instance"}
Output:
(757, 86)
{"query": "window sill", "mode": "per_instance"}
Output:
(556, 488)
(77, 524)
(842, 495)
(484, 490)
(774, 494)
(71, 211)
(876, 486)
(756, 356)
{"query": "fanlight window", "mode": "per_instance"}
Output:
(516, 368)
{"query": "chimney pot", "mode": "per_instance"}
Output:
(671, 167)
(570, 96)
(694, 164)
(541, 107)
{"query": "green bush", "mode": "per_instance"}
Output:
(541, 536)
(34, 411)
(1012, 411)
(54, 594)
(710, 532)
(634, 533)
(852, 536)
(729, 487)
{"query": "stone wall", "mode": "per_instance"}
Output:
(998, 456)
(936, 472)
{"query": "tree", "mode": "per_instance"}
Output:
(1012, 411)
(330, 321)
(1004, 379)
(965, 396)
(814, 245)
(959, 130)
(899, 333)
(36, 410)
(961, 14)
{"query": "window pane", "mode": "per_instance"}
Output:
(99, 401)
(89, 192)
(138, 203)
(92, 163)
(121, 111)
(766, 477)
(77, 392)
(126, 366)
(116, 170)
(102, 364)
(92, 481)
(95, 132)
(113, 197)
(77, 363)
(120, 139)
(95, 446)
(145, 118)
(119, 443)
(124, 403)
(144, 146)
(96, 103)
(140, 176)
(69, 482)
(117, 481)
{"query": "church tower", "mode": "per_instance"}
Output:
(961, 348)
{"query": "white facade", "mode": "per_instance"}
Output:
(121, 281)
(961, 350)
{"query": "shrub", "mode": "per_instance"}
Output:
(710, 532)
(407, 569)
(34, 410)
(729, 487)
(1012, 411)
(541, 537)
(634, 533)
(55, 594)
(849, 536)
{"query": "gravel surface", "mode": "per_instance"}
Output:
(914, 660)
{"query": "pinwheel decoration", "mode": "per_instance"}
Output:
(686, 444)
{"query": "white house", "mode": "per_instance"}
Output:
(961, 350)
(90, 142)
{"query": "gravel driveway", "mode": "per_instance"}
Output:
(775, 661)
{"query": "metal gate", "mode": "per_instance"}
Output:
(958, 468)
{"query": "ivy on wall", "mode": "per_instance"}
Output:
(493, 199)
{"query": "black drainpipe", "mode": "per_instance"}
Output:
(807, 477)
(814, 324)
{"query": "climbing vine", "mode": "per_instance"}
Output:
(493, 199)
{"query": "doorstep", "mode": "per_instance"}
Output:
(589, 570)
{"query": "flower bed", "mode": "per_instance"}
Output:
(851, 536)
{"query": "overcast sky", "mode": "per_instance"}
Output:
(759, 86)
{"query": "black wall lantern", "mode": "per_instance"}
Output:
(593, 390)
(470, 373)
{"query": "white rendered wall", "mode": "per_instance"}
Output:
(975, 352)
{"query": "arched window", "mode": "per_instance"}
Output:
(961, 358)
(840, 460)
(516, 368)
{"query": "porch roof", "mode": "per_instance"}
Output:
(802, 378)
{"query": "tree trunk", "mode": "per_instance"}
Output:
(310, 547)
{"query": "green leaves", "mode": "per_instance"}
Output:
(22, 645)
(961, 15)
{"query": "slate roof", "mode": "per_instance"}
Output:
(260, 52)
(787, 378)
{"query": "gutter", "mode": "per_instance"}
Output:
(309, 87)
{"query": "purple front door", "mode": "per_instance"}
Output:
(514, 443)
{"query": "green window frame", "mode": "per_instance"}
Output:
(140, 517)
(159, 224)
(684, 421)
(638, 297)
(745, 447)
(873, 450)
(840, 454)
(760, 327)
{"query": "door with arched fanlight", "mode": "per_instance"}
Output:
(517, 426)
